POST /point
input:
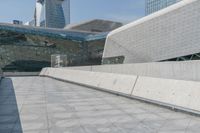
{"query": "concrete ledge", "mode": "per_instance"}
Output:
(175, 94)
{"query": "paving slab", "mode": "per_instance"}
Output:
(45, 105)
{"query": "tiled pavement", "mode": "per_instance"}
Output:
(44, 105)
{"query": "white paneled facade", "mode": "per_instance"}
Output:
(169, 33)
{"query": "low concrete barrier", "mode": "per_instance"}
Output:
(179, 94)
(182, 70)
(117, 83)
(15, 74)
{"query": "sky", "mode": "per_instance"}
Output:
(81, 10)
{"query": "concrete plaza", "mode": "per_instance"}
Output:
(44, 105)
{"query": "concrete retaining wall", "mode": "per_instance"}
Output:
(178, 94)
(184, 70)
(184, 94)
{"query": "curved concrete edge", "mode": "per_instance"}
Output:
(175, 94)
(43, 72)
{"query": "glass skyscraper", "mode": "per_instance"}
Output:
(52, 13)
(156, 5)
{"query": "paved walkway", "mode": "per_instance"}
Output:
(44, 105)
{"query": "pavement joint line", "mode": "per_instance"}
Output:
(47, 117)
(134, 84)
(188, 126)
(128, 114)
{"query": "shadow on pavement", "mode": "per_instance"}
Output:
(9, 109)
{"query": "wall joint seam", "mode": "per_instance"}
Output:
(134, 84)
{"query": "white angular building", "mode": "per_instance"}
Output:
(171, 33)
(52, 13)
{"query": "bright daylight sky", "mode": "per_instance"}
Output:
(81, 10)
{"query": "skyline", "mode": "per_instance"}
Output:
(80, 10)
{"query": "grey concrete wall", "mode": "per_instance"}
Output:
(185, 70)
(167, 34)
(108, 81)
(178, 93)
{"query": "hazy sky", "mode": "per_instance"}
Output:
(81, 10)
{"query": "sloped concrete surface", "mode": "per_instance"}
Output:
(44, 105)
(178, 94)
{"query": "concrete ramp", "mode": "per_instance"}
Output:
(176, 94)
(44, 105)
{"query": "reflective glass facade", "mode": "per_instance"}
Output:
(57, 13)
(156, 5)
(52, 13)
(26, 48)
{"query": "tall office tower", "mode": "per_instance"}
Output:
(52, 13)
(156, 5)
